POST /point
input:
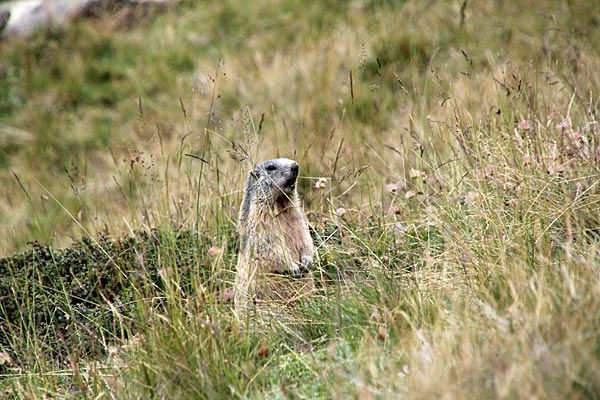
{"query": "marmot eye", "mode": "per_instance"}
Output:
(271, 167)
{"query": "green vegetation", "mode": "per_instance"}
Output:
(457, 229)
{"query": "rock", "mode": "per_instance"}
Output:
(28, 16)
(22, 18)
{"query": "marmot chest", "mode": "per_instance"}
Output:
(285, 227)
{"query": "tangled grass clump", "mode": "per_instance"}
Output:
(73, 304)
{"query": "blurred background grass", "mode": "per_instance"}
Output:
(87, 110)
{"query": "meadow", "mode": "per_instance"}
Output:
(449, 156)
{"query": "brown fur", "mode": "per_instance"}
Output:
(276, 250)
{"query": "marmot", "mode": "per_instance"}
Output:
(276, 250)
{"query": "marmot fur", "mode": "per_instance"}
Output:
(276, 250)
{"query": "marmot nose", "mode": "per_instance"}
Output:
(295, 169)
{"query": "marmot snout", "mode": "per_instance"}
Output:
(276, 244)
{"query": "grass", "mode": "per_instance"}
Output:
(456, 227)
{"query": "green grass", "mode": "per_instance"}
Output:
(457, 230)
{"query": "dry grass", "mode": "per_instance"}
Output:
(459, 214)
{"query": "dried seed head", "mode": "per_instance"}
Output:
(321, 183)
(213, 251)
(396, 187)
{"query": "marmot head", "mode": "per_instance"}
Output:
(274, 179)
(270, 183)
